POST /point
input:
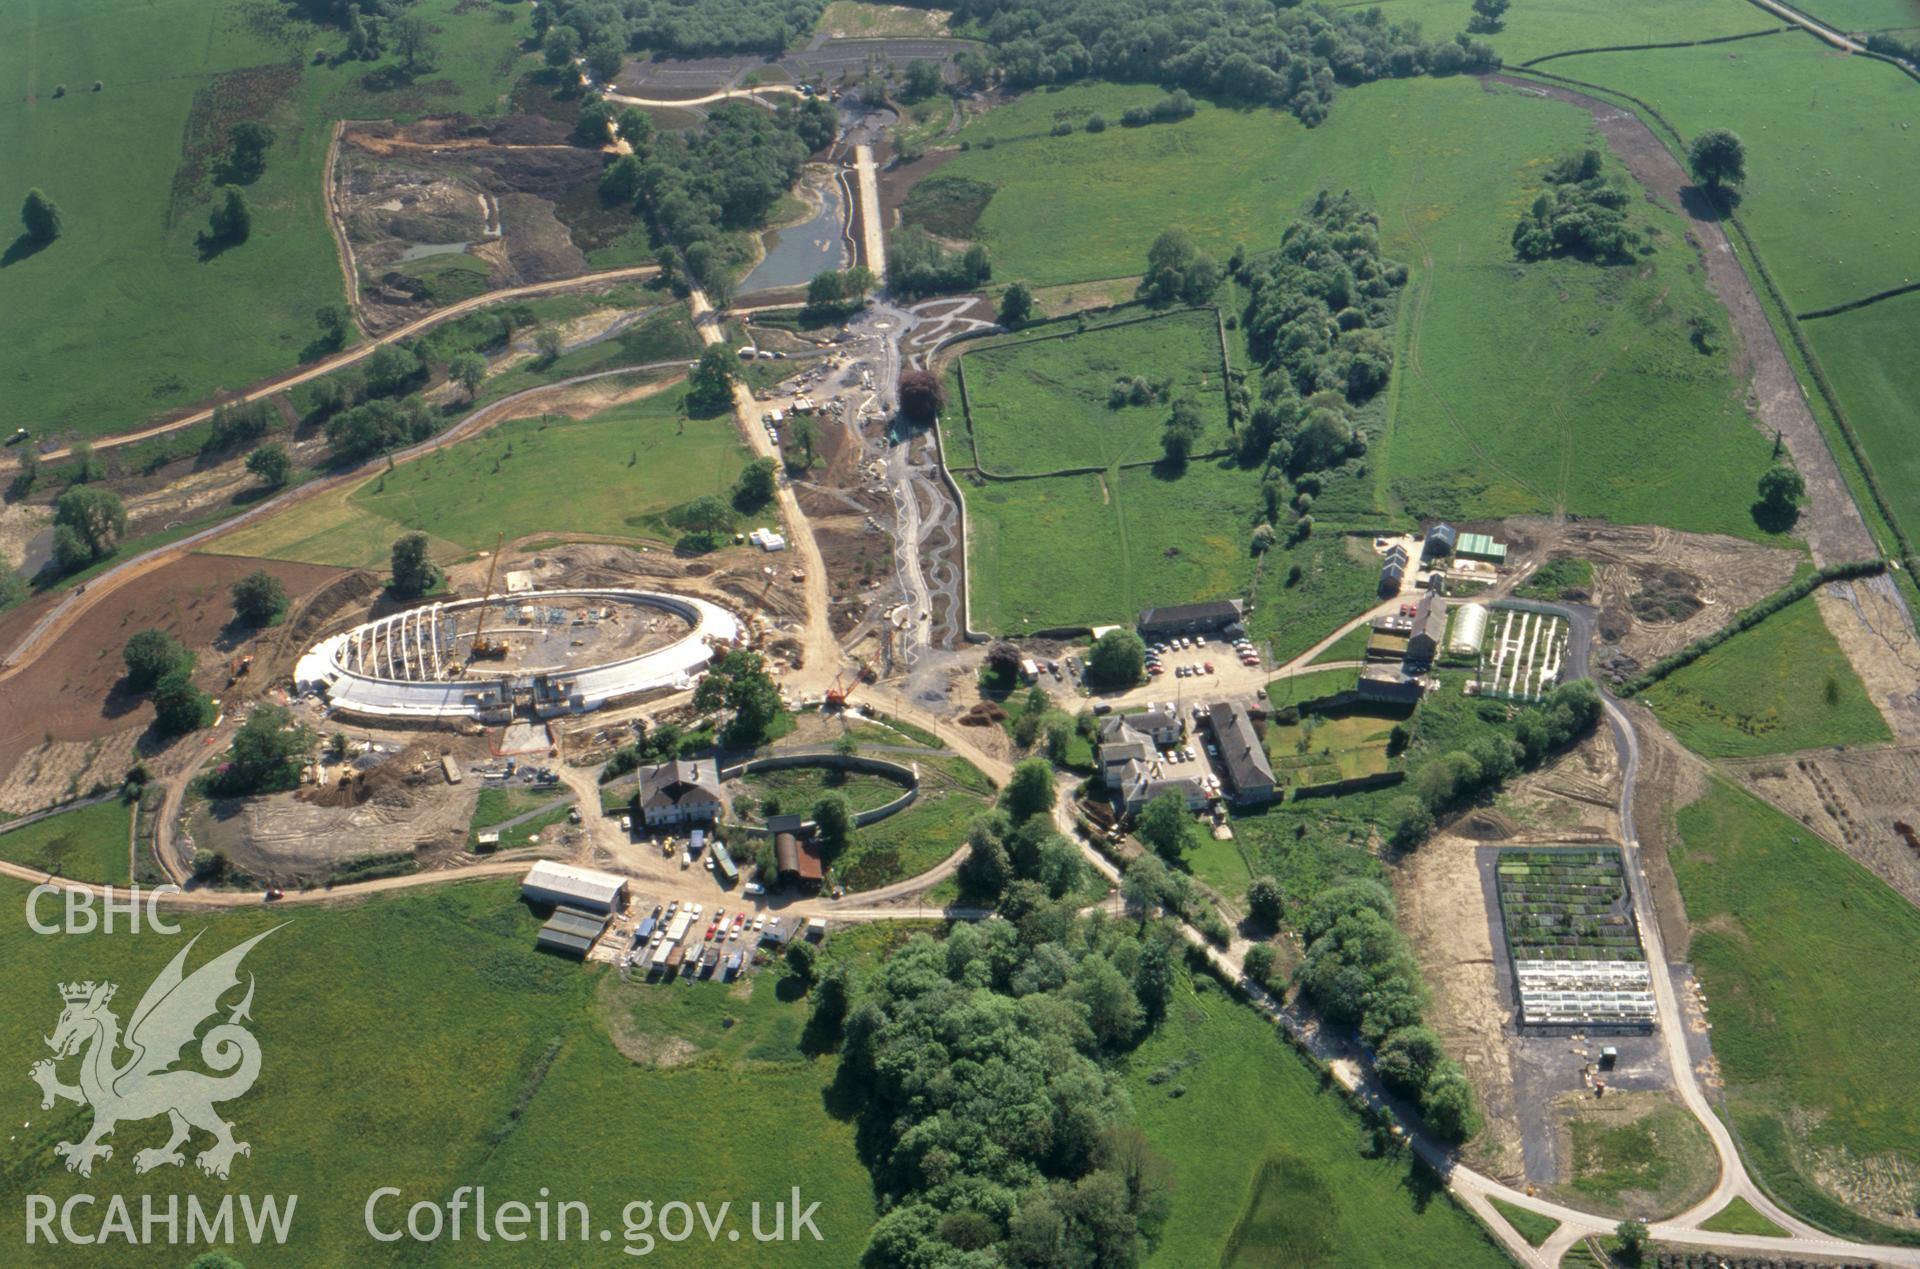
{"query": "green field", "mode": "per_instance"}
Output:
(1868, 357)
(1782, 686)
(1739, 1217)
(1042, 404)
(125, 286)
(1339, 579)
(1865, 15)
(1343, 744)
(1093, 550)
(1532, 1226)
(1351, 646)
(1807, 964)
(548, 474)
(1832, 158)
(908, 844)
(501, 1074)
(1556, 385)
(1555, 26)
(1650, 1159)
(1265, 1160)
(90, 844)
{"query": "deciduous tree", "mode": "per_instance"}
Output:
(259, 599)
(40, 218)
(414, 574)
(1718, 157)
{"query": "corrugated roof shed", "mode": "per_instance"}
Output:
(571, 930)
(549, 882)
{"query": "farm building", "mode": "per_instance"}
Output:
(1378, 683)
(1120, 746)
(1440, 542)
(1137, 784)
(1429, 626)
(797, 857)
(564, 885)
(1392, 576)
(1189, 619)
(679, 792)
(571, 931)
(1478, 546)
(1249, 774)
(1469, 630)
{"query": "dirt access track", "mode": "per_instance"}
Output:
(74, 692)
(1831, 523)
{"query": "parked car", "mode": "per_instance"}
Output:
(759, 924)
(673, 907)
(695, 909)
(626, 823)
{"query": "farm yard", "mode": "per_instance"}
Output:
(1047, 400)
(1804, 957)
(1782, 686)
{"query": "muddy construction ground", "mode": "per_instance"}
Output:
(68, 722)
(1443, 908)
(448, 207)
(1656, 589)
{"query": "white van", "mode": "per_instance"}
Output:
(753, 889)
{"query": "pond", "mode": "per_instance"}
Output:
(796, 253)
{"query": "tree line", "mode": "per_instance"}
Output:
(696, 187)
(1291, 56)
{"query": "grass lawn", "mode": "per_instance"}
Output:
(799, 788)
(1739, 1217)
(1782, 686)
(1309, 846)
(329, 528)
(1868, 357)
(1343, 744)
(1040, 404)
(90, 844)
(855, 20)
(1648, 1158)
(543, 474)
(1351, 646)
(565, 475)
(1092, 550)
(1339, 579)
(1221, 865)
(126, 286)
(1807, 962)
(1832, 159)
(908, 844)
(1556, 385)
(710, 1063)
(1532, 1226)
(497, 806)
(1266, 1162)
(419, 1102)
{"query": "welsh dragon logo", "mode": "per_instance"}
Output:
(143, 1086)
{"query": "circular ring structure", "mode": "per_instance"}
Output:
(418, 664)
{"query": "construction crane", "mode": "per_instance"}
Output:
(837, 694)
(482, 647)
